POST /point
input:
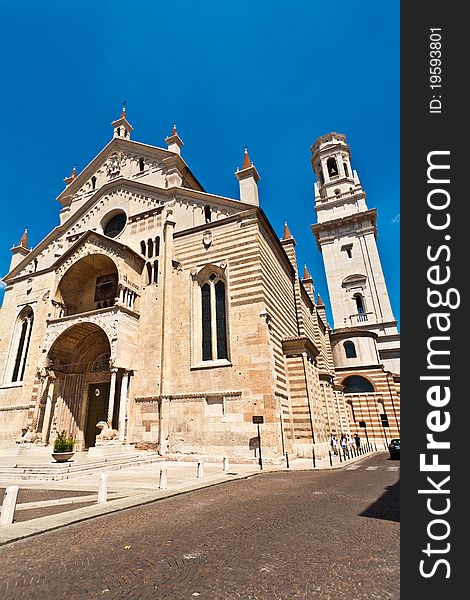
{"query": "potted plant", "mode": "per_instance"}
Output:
(63, 447)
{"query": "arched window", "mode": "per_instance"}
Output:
(23, 338)
(360, 308)
(332, 167)
(149, 273)
(150, 247)
(157, 246)
(141, 164)
(143, 248)
(207, 214)
(359, 303)
(213, 317)
(93, 182)
(350, 349)
(345, 167)
(355, 384)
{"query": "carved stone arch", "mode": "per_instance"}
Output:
(77, 280)
(202, 272)
(69, 337)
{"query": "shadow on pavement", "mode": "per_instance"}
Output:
(387, 507)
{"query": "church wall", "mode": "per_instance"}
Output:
(368, 406)
(211, 401)
(17, 399)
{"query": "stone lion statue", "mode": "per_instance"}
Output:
(106, 432)
(29, 437)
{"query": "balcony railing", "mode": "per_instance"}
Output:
(360, 318)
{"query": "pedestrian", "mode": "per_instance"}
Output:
(344, 444)
(334, 444)
(357, 439)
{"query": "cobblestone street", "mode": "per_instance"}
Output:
(283, 535)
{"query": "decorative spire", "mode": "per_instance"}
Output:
(123, 112)
(320, 301)
(20, 251)
(24, 239)
(246, 160)
(68, 180)
(287, 234)
(307, 275)
(174, 141)
(248, 178)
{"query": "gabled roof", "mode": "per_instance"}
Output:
(107, 240)
(118, 143)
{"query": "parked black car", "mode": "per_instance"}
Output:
(394, 448)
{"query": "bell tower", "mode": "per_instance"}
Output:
(346, 234)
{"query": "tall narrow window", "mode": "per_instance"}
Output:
(93, 183)
(157, 246)
(143, 248)
(150, 247)
(24, 329)
(213, 316)
(207, 214)
(359, 304)
(350, 349)
(141, 165)
(206, 322)
(149, 273)
(220, 320)
(155, 271)
(345, 167)
(332, 167)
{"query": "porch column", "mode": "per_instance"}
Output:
(47, 414)
(112, 392)
(123, 406)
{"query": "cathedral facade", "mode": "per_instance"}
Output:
(176, 315)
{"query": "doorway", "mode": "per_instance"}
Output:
(98, 396)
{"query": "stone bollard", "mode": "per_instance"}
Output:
(200, 469)
(103, 489)
(163, 481)
(226, 464)
(9, 505)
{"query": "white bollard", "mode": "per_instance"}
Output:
(103, 489)
(200, 469)
(163, 481)
(226, 463)
(9, 505)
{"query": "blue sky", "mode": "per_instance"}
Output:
(272, 75)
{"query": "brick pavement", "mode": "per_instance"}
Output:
(283, 535)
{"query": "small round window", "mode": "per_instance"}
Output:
(115, 225)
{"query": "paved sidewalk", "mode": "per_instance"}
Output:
(43, 506)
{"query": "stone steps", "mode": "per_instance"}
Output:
(60, 471)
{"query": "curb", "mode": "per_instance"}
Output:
(20, 531)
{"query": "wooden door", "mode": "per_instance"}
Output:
(98, 396)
